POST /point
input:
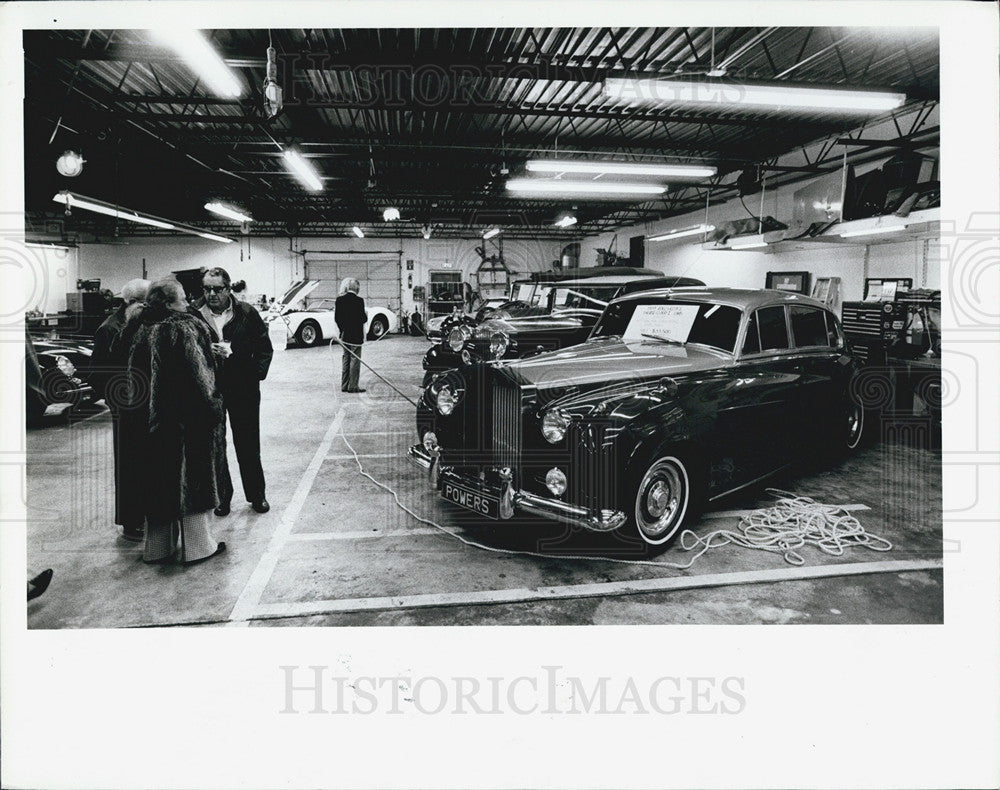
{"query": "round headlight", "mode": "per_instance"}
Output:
(446, 400)
(555, 481)
(554, 425)
(499, 343)
(458, 336)
(67, 368)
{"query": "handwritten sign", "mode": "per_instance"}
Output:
(670, 321)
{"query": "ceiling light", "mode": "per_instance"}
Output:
(87, 204)
(619, 168)
(70, 164)
(72, 201)
(302, 170)
(560, 187)
(390, 214)
(747, 242)
(213, 237)
(722, 93)
(565, 222)
(872, 231)
(358, 232)
(50, 245)
(489, 234)
(227, 212)
(426, 231)
(681, 232)
(202, 59)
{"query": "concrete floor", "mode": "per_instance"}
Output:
(337, 550)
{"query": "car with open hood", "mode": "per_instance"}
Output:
(571, 308)
(679, 396)
(311, 323)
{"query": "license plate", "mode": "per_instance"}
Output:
(476, 501)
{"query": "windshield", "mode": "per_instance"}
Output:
(593, 297)
(671, 320)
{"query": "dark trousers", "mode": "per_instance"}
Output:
(244, 419)
(350, 368)
(129, 511)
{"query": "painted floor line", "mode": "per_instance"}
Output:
(594, 590)
(249, 598)
(359, 535)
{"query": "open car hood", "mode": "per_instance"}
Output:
(295, 294)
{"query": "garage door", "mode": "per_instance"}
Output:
(379, 276)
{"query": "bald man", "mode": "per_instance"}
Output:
(107, 375)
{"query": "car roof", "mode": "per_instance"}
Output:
(626, 280)
(742, 298)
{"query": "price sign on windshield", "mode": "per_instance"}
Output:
(667, 321)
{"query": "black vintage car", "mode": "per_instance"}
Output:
(56, 374)
(571, 308)
(677, 397)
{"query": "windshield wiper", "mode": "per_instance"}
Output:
(662, 339)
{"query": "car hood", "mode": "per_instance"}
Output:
(607, 360)
(564, 319)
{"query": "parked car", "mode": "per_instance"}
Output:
(312, 325)
(60, 376)
(570, 311)
(677, 397)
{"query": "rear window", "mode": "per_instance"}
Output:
(808, 326)
(773, 332)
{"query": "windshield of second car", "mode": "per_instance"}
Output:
(672, 321)
(594, 297)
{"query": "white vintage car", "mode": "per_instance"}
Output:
(312, 325)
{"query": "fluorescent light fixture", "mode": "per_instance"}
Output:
(213, 237)
(728, 93)
(618, 168)
(747, 242)
(99, 207)
(491, 233)
(872, 231)
(72, 200)
(302, 170)
(682, 232)
(390, 214)
(49, 245)
(202, 59)
(358, 232)
(565, 222)
(229, 213)
(540, 186)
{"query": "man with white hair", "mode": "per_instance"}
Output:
(350, 315)
(107, 375)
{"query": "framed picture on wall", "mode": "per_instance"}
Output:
(795, 282)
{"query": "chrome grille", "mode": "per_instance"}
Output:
(506, 423)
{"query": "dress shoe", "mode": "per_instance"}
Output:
(39, 584)
(260, 506)
(359, 389)
(222, 509)
(218, 550)
(135, 534)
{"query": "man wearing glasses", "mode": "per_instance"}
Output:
(243, 355)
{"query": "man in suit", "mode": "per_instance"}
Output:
(108, 362)
(243, 355)
(351, 318)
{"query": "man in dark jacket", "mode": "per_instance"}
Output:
(243, 355)
(351, 318)
(108, 363)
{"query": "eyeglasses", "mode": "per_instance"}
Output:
(214, 289)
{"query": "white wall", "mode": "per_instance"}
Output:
(269, 265)
(748, 268)
(48, 274)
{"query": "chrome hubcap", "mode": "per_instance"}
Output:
(855, 423)
(308, 334)
(662, 500)
(659, 502)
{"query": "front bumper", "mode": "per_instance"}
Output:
(521, 500)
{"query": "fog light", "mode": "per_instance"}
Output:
(466, 356)
(446, 400)
(555, 481)
(431, 442)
